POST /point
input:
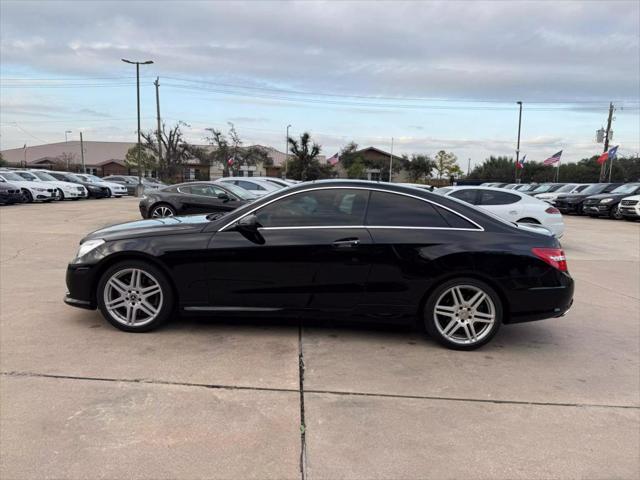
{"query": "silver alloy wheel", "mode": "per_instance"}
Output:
(464, 314)
(133, 297)
(161, 212)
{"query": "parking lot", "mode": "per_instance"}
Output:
(221, 399)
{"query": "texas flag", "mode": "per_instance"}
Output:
(520, 163)
(553, 159)
(608, 155)
(230, 161)
(333, 160)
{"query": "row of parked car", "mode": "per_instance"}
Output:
(36, 185)
(613, 200)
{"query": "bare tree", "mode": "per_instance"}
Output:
(175, 150)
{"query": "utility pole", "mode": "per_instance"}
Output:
(606, 140)
(157, 84)
(468, 167)
(391, 161)
(286, 151)
(82, 153)
(518, 147)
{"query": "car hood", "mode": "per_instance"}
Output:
(109, 184)
(150, 227)
(616, 196)
(61, 184)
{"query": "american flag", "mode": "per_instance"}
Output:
(554, 159)
(333, 160)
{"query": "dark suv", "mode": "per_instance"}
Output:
(606, 204)
(574, 202)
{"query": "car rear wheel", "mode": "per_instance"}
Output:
(162, 210)
(463, 314)
(135, 296)
(615, 214)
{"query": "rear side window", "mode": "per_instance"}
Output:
(454, 220)
(248, 185)
(491, 197)
(388, 209)
(468, 195)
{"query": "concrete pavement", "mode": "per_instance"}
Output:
(214, 399)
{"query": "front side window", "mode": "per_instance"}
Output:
(491, 197)
(330, 207)
(28, 176)
(391, 210)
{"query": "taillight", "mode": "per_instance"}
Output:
(553, 256)
(552, 211)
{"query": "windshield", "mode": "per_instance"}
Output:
(45, 176)
(580, 188)
(595, 188)
(12, 176)
(542, 188)
(76, 177)
(566, 188)
(630, 188)
(93, 178)
(443, 190)
(240, 192)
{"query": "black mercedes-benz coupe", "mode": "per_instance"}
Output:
(193, 197)
(337, 249)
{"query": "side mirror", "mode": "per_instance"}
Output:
(248, 224)
(223, 196)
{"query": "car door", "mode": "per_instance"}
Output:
(203, 198)
(413, 244)
(309, 252)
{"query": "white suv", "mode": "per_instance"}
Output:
(630, 208)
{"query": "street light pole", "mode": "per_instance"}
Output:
(518, 147)
(139, 188)
(286, 151)
(65, 135)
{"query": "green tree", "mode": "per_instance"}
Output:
(356, 170)
(419, 167)
(147, 161)
(3, 162)
(445, 164)
(305, 165)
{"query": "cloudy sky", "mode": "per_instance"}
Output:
(432, 75)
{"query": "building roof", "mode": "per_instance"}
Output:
(97, 154)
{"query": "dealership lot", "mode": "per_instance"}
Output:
(216, 399)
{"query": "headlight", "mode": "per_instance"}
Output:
(606, 200)
(38, 189)
(88, 246)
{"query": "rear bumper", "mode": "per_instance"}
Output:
(542, 302)
(11, 198)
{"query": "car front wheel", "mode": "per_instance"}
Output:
(135, 296)
(463, 314)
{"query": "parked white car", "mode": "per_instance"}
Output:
(116, 189)
(510, 205)
(252, 184)
(567, 189)
(278, 182)
(629, 207)
(66, 190)
(32, 191)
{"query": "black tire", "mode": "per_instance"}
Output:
(61, 194)
(615, 214)
(429, 315)
(109, 193)
(28, 197)
(158, 206)
(167, 298)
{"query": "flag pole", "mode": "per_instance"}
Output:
(518, 147)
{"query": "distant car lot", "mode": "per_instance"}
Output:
(221, 399)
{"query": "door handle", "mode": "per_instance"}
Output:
(346, 243)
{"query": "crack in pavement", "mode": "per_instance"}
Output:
(319, 391)
(303, 425)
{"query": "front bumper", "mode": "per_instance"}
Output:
(10, 198)
(566, 207)
(598, 209)
(630, 212)
(81, 281)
